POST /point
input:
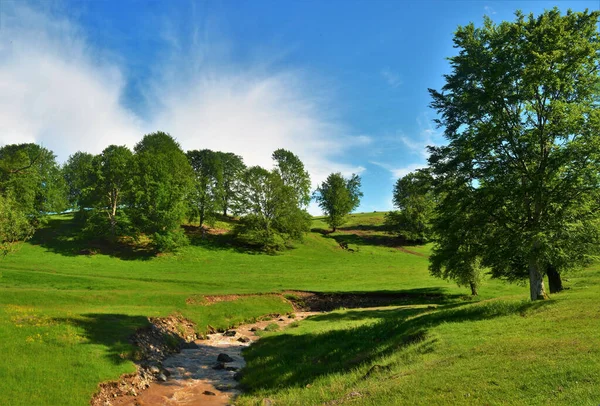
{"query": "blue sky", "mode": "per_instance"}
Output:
(341, 83)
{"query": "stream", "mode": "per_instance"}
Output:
(197, 377)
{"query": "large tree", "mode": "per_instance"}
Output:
(414, 198)
(161, 183)
(206, 197)
(338, 197)
(520, 112)
(231, 181)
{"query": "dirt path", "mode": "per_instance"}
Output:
(197, 378)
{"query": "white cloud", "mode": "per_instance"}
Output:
(428, 136)
(57, 90)
(53, 92)
(489, 10)
(392, 78)
(399, 172)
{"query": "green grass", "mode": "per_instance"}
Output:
(501, 351)
(65, 317)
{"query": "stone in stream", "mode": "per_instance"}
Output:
(253, 329)
(230, 333)
(222, 357)
(190, 346)
(154, 370)
(208, 393)
(233, 369)
(218, 366)
(243, 339)
(162, 377)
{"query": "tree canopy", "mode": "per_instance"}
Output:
(161, 182)
(520, 112)
(338, 197)
(414, 198)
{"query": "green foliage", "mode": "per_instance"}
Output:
(161, 183)
(338, 197)
(206, 198)
(112, 184)
(520, 112)
(78, 172)
(459, 231)
(273, 217)
(233, 172)
(14, 225)
(414, 197)
(292, 172)
(30, 176)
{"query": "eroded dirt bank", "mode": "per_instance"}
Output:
(204, 373)
(176, 367)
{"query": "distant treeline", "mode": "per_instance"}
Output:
(151, 190)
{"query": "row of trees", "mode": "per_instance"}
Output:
(152, 189)
(517, 189)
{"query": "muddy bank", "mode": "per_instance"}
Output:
(206, 371)
(176, 367)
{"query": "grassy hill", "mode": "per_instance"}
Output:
(65, 317)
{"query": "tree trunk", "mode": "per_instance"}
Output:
(536, 283)
(473, 287)
(554, 281)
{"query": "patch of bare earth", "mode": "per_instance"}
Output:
(176, 367)
(205, 372)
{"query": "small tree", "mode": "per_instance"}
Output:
(338, 197)
(273, 217)
(457, 229)
(415, 200)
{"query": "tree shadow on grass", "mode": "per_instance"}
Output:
(62, 236)
(111, 330)
(285, 360)
(328, 301)
(222, 241)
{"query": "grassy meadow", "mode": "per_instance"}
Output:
(65, 319)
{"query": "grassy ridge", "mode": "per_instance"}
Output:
(65, 317)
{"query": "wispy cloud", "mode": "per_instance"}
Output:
(399, 172)
(489, 10)
(427, 136)
(58, 90)
(54, 91)
(392, 78)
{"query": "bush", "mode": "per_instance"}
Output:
(169, 241)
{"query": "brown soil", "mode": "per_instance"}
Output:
(192, 379)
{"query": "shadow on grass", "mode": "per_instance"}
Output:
(111, 330)
(225, 241)
(62, 236)
(366, 227)
(328, 301)
(380, 240)
(285, 360)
